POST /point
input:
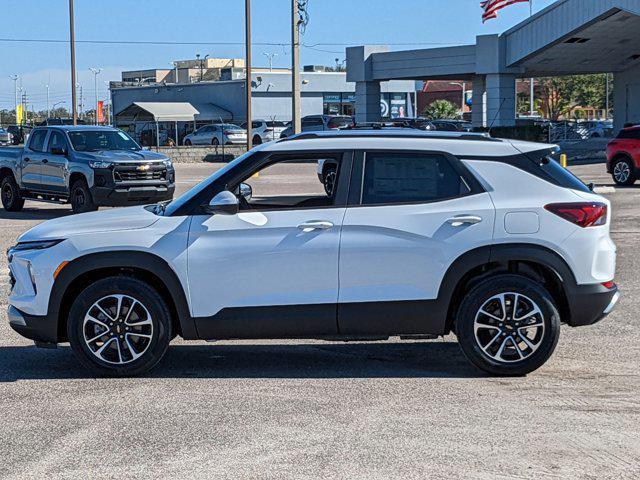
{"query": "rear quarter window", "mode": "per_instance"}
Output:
(561, 176)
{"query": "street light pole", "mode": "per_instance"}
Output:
(295, 67)
(270, 56)
(464, 91)
(532, 92)
(72, 47)
(96, 72)
(247, 12)
(15, 94)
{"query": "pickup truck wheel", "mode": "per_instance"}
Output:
(119, 326)
(81, 199)
(12, 201)
(508, 325)
(215, 142)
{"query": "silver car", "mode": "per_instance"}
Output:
(217, 134)
(5, 137)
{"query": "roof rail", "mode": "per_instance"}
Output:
(401, 133)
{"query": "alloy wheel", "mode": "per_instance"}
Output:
(118, 329)
(7, 194)
(509, 327)
(622, 172)
(330, 182)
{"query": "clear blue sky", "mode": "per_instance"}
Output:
(339, 22)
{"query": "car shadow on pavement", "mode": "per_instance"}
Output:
(35, 214)
(363, 360)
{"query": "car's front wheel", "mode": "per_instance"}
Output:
(623, 172)
(81, 199)
(508, 325)
(119, 326)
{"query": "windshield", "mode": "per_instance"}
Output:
(200, 187)
(97, 140)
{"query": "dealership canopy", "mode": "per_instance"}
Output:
(159, 112)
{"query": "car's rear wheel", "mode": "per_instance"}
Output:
(187, 143)
(330, 178)
(12, 200)
(257, 140)
(119, 326)
(81, 199)
(623, 172)
(215, 142)
(508, 325)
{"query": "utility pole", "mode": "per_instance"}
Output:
(96, 72)
(247, 29)
(15, 93)
(606, 113)
(532, 93)
(295, 67)
(72, 46)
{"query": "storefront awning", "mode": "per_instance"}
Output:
(158, 112)
(209, 112)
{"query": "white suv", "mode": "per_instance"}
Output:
(424, 234)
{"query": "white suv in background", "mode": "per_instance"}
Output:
(217, 134)
(266, 131)
(423, 234)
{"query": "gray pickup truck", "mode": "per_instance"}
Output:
(85, 166)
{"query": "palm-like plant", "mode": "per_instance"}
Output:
(442, 110)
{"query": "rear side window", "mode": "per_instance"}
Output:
(37, 140)
(561, 176)
(339, 122)
(391, 178)
(632, 134)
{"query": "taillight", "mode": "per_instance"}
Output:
(609, 285)
(582, 214)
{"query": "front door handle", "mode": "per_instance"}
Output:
(313, 225)
(461, 220)
(45, 161)
(26, 160)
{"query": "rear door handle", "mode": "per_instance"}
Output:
(26, 160)
(313, 225)
(461, 220)
(45, 161)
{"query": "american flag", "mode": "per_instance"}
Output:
(491, 7)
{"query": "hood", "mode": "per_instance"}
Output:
(122, 156)
(115, 219)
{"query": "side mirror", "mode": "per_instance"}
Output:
(58, 151)
(246, 191)
(224, 203)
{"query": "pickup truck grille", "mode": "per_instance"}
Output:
(139, 172)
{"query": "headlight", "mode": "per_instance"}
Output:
(168, 163)
(39, 245)
(100, 164)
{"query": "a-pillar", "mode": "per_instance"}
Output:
(479, 106)
(501, 100)
(368, 102)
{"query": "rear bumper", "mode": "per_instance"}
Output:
(589, 304)
(39, 329)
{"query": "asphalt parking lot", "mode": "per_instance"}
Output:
(310, 409)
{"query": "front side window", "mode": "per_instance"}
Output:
(394, 178)
(99, 140)
(56, 140)
(293, 184)
(37, 140)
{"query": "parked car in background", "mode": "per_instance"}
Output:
(217, 134)
(60, 121)
(85, 166)
(320, 123)
(266, 130)
(623, 156)
(20, 133)
(452, 125)
(596, 129)
(417, 123)
(422, 236)
(5, 137)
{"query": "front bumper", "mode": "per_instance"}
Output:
(589, 304)
(131, 195)
(41, 330)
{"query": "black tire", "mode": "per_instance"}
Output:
(12, 200)
(215, 142)
(257, 140)
(151, 350)
(80, 197)
(513, 360)
(623, 172)
(329, 179)
(187, 143)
